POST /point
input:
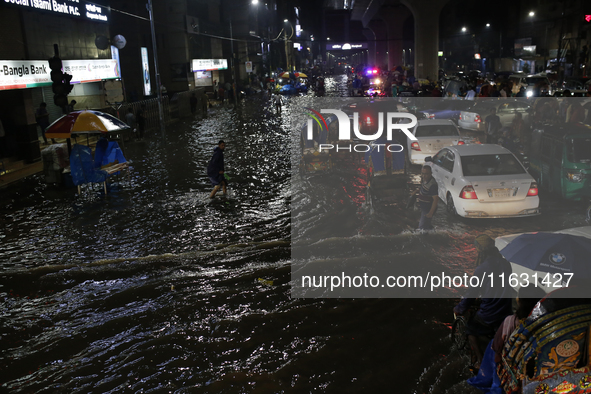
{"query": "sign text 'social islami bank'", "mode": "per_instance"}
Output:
(75, 8)
(392, 120)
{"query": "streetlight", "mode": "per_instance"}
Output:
(327, 38)
(488, 25)
(531, 13)
(254, 2)
(464, 29)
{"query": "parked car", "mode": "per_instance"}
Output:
(484, 181)
(474, 118)
(560, 160)
(578, 86)
(432, 135)
(535, 85)
(446, 109)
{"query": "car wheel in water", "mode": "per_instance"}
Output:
(450, 206)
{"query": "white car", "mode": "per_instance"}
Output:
(501, 242)
(432, 135)
(506, 109)
(484, 181)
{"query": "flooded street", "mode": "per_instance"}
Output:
(155, 288)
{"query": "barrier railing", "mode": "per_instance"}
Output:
(174, 106)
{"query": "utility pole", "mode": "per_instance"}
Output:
(286, 52)
(156, 70)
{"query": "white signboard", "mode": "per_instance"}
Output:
(248, 66)
(91, 70)
(146, 72)
(21, 74)
(208, 64)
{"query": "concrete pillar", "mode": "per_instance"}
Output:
(381, 33)
(426, 16)
(371, 45)
(394, 18)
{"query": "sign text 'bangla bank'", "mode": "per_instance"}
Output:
(21, 74)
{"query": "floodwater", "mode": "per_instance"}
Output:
(154, 288)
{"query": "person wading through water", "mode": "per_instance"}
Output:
(215, 169)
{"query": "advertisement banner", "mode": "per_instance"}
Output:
(91, 70)
(146, 72)
(22, 74)
(248, 66)
(115, 56)
(203, 78)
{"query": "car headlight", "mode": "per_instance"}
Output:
(575, 176)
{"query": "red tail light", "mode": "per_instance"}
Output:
(477, 119)
(468, 193)
(415, 146)
(533, 189)
(461, 142)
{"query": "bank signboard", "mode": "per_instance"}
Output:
(75, 8)
(208, 64)
(22, 74)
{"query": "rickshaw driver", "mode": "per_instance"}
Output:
(496, 297)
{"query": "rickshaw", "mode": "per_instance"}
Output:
(550, 351)
(385, 164)
(311, 158)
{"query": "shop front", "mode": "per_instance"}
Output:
(207, 71)
(25, 84)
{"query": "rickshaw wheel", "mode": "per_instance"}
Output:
(459, 337)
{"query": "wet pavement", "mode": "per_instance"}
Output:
(156, 288)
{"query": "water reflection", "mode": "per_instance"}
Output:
(154, 287)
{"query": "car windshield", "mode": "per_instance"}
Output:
(579, 150)
(531, 81)
(443, 130)
(481, 107)
(484, 165)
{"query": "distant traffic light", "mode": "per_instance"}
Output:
(61, 82)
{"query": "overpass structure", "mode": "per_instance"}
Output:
(383, 22)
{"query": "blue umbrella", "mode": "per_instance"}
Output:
(551, 252)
